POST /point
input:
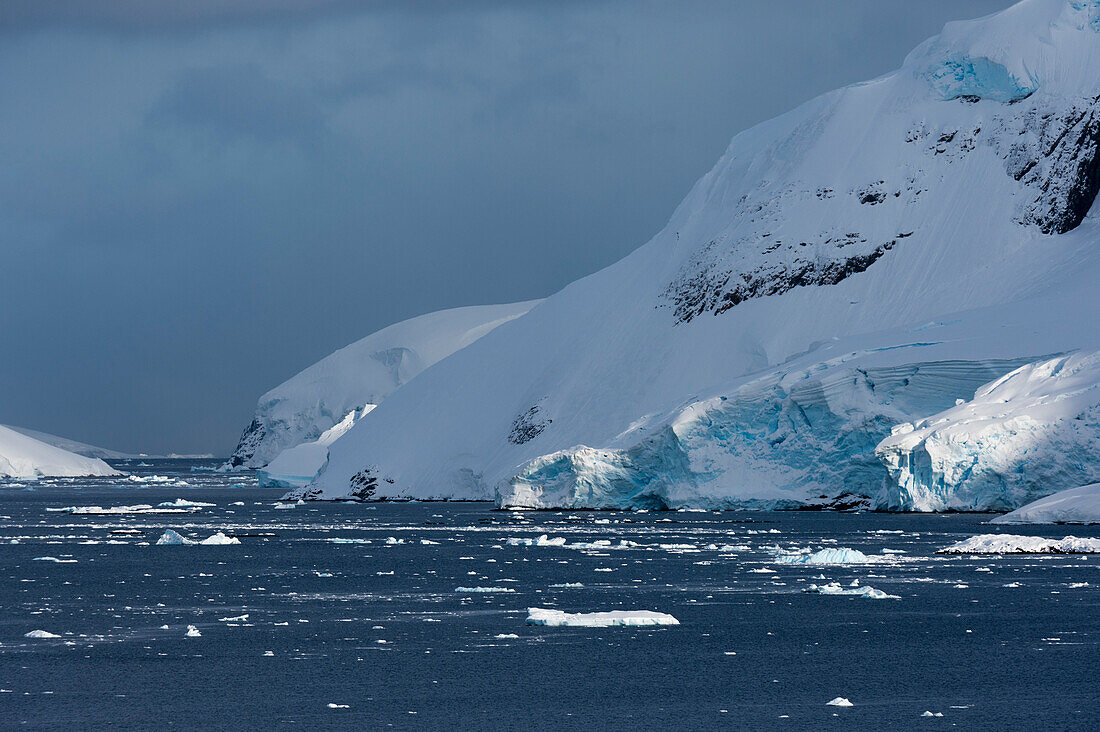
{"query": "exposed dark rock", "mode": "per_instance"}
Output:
(246, 446)
(1057, 156)
(527, 426)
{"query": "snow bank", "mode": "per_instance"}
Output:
(1013, 544)
(302, 408)
(613, 619)
(1079, 505)
(1031, 432)
(25, 457)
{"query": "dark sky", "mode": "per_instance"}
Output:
(199, 199)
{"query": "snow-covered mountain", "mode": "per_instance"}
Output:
(297, 466)
(862, 261)
(363, 373)
(80, 448)
(25, 457)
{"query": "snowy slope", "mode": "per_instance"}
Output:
(1079, 505)
(1030, 433)
(297, 466)
(26, 457)
(365, 372)
(64, 443)
(930, 221)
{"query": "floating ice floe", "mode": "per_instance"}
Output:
(616, 618)
(234, 619)
(839, 702)
(505, 636)
(838, 555)
(143, 508)
(338, 540)
(568, 586)
(543, 540)
(184, 503)
(174, 538)
(834, 588)
(54, 559)
(483, 589)
(40, 634)
(1014, 544)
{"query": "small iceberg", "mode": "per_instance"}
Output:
(192, 632)
(40, 634)
(219, 539)
(834, 588)
(613, 619)
(1014, 544)
(840, 701)
(174, 538)
(839, 555)
(483, 589)
(184, 503)
(543, 540)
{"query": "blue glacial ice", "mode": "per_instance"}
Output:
(964, 76)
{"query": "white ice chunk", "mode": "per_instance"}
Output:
(1013, 544)
(615, 618)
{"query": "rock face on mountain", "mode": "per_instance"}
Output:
(364, 373)
(862, 261)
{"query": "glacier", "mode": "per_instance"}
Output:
(24, 457)
(302, 408)
(861, 262)
(1034, 431)
(1080, 505)
(297, 466)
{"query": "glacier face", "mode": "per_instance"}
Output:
(25, 457)
(1034, 431)
(365, 372)
(882, 220)
(794, 436)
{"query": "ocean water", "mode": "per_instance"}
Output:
(354, 620)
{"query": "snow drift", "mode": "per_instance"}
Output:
(302, 408)
(25, 457)
(863, 261)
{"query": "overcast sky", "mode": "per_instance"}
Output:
(197, 200)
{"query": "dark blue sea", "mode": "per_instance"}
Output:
(346, 616)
